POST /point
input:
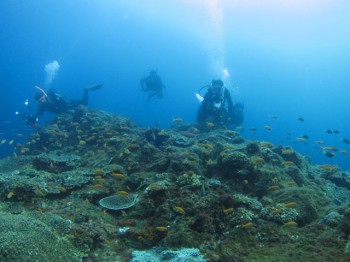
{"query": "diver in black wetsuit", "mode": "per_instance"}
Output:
(153, 84)
(54, 102)
(216, 105)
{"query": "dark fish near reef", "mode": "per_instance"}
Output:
(305, 136)
(328, 131)
(301, 119)
(336, 131)
(345, 140)
(329, 154)
(253, 129)
(273, 116)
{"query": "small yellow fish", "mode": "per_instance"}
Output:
(290, 224)
(11, 142)
(290, 204)
(10, 195)
(273, 188)
(268, 128)
(122, 193)
(287, 152)
(118, 175)
(161, 229)
(179, 210)
(177, 119)
(99, 172)
(247, 225)
(266, 144)
(3, 141)
(287, 163)
(228, 210)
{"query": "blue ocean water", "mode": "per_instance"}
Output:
(284, 61)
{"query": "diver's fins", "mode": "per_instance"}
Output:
(94, 87)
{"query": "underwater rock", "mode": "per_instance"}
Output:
(232, 161)
(157, 137)
(212, 182)
(311, 201)
(332, 219)
(185, 161)
(180, 141)
(253, 148)
(296, 175)
(55, 162)
(289, 155)
(341, 179)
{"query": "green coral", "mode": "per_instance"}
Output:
(192, 180)
(26, 239)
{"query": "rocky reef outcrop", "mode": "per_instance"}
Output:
(233, 199)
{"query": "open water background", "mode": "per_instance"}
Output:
(287, 59)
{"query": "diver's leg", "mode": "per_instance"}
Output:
(201, 115)
(160, 94)
(152, 94)
(77, 102)
(85, 99)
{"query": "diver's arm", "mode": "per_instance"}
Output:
(142, 84)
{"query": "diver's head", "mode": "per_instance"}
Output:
(217, 83)
(217, 87)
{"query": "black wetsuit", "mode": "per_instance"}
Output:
(57, 103)
(216, 106)
(152, 83)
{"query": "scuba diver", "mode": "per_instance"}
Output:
(153, 84)
(217, 106)
(54, 102)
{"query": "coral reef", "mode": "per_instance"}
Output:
(75, 183)
(119, 202)
(184, 254)
(24, 238)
